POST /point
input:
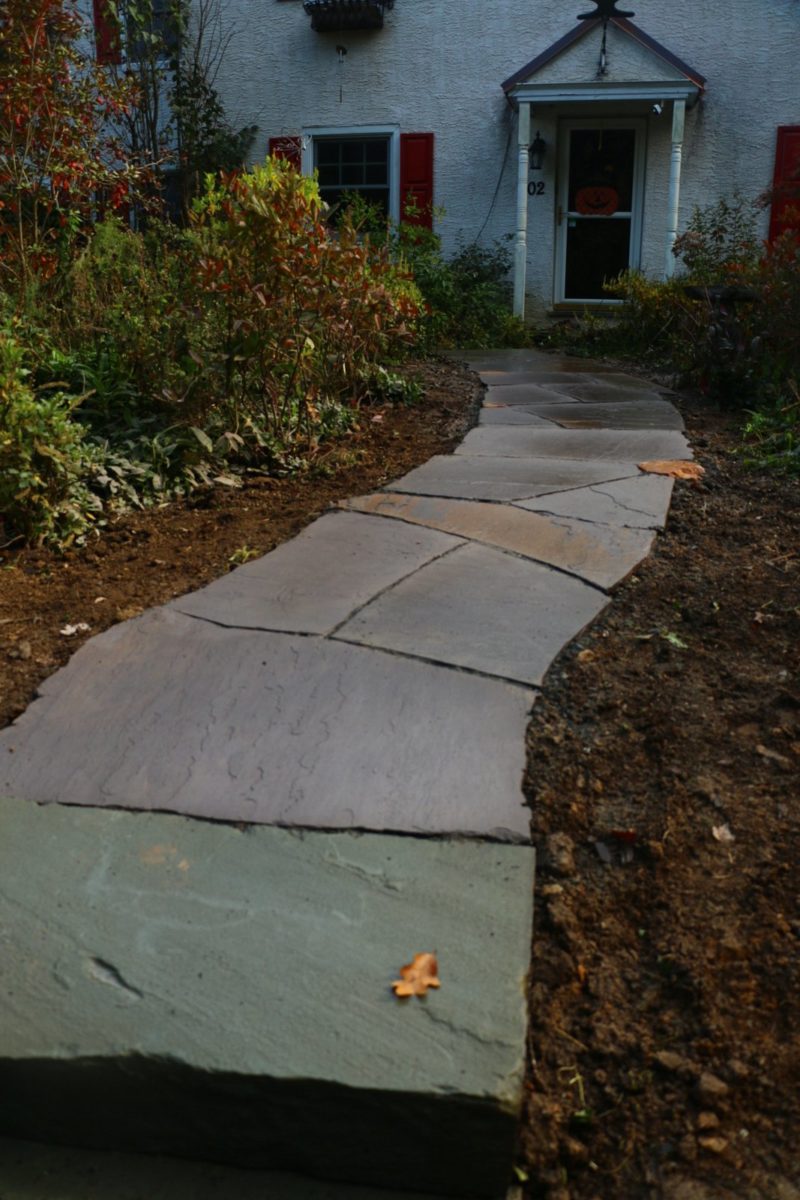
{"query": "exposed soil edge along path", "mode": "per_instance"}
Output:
(145, 559)
(664, 767)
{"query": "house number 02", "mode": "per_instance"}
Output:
(536, 187)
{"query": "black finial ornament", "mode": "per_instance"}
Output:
(605, 9)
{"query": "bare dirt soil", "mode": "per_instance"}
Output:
(663, 780)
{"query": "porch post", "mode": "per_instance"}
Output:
(676, 159)
(521, 241)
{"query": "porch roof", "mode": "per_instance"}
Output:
(564, 74)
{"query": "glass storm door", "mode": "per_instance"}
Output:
(600, 207)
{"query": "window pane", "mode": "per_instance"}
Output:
(351, 165)
(327, 152)
(337, 198)
(602, 159)
(377, 151)
(597, 251)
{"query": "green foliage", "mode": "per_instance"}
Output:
(771, 437)
(179, 125)
(740, 345)
(58, 118)
(289, 319)
(466, 297)
(125, 321)
(382, 386)
(43, 458)
(208, 141)
(720, 242)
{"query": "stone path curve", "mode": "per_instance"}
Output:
(226, 824)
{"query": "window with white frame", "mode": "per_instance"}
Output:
(352, 162)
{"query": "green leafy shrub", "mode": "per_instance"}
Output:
(738, 340)
(287, 317)
(467, 297)
(43, 458)
(124, 322)
(720, 243)
(771, 435)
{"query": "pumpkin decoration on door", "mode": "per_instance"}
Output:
(597, 200)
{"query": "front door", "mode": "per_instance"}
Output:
(601, 178)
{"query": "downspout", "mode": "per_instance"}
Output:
(521, 240)
(673, 203)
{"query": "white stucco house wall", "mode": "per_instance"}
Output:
(636, 119)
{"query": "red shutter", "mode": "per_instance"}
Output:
(416, 177)
(287, 148)
(786, 184)
(108, 45)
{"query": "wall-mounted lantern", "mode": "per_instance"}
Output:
(537, 151)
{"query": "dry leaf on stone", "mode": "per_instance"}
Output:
(675, 468)
(417, 976)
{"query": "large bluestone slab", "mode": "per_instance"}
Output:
(344, 722)
(601, 554)
(640, 503)
(527, 377)
(225, 993)
(481, 609)
(607, 388)
(523, 393)
(173, 713)
(32, 1171)
(512, 415)
(588, 445)
(506, 477)
(314, 582)
(626, 414)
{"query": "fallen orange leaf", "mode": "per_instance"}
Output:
(676, 468)
(417, 976)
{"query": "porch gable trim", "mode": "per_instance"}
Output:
(516, 89)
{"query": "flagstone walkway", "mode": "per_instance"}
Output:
(226, 824)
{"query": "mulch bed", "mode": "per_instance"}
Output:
(663, 779)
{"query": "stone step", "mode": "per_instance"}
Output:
(31, 1171)
(217, 992)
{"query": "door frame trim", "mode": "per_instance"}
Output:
(565, 127)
